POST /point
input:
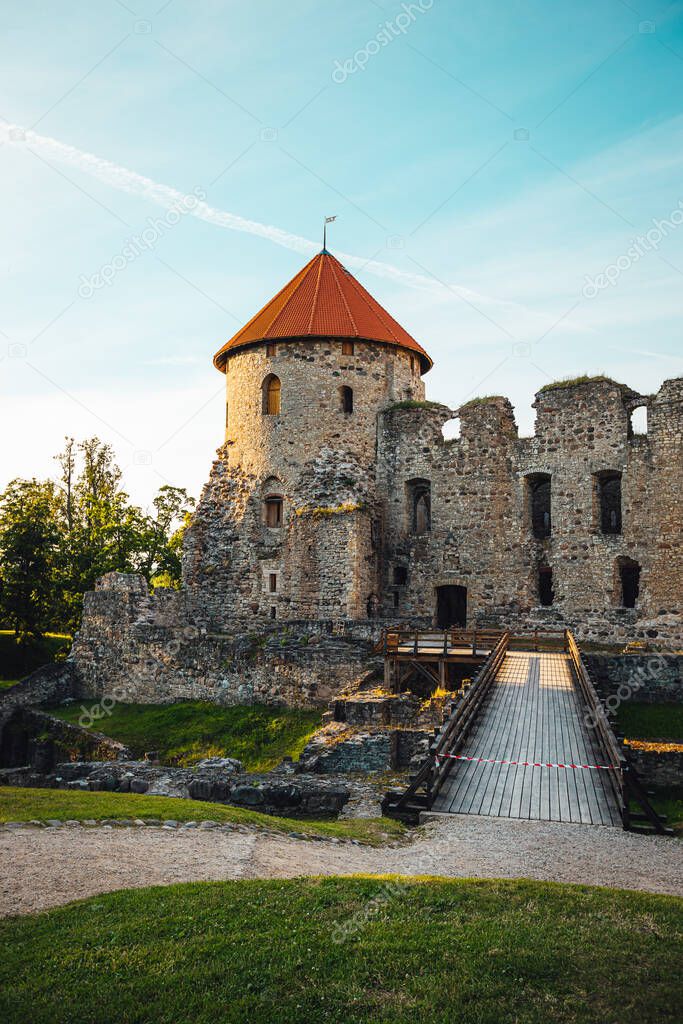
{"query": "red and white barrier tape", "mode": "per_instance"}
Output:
(522, 764)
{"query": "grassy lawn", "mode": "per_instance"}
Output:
(25, 804)
(185, 733)
(19, 659)
(462, 952)
(6, 683)
(650, 721)
(671, 804)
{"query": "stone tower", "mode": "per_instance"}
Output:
(288, 526)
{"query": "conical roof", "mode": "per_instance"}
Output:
(322, 301)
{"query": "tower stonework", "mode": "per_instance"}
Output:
(336, 507)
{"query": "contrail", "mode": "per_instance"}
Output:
(125, 180)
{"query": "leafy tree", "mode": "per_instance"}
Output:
(29, 544)
(57, 538)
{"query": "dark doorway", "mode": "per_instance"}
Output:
(629, 573)
(539, 504)
(451, 607)
(545, 585)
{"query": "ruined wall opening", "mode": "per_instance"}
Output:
(637, 422)
(451, 606)
(272, 394)
(546, 594)
(539, 496)
(451, 429)
(346, 399)
(628, 582)
(419, 494)
(400, 575)
(608, 501)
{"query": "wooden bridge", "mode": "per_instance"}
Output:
(528, 738)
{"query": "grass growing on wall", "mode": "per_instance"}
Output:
(418, 951)
(185, 733)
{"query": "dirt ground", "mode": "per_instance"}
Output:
(44, 868)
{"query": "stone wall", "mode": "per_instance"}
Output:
(481, 533)
(646, 678)
(129, 649)
(38, 739)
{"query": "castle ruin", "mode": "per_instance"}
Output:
(336, 506)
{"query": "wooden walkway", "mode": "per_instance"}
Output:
(532, 713)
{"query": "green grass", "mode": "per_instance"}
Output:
(6, 683)
(572, 382)
(185, 733)
(650, 721)
(412, 403)
(20, 659)
(425, 951)
(670, 803)
(26, 804)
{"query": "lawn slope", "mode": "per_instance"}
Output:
(184, 733)
(418, 951)
(27, 804)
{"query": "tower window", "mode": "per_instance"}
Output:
(412, 364)
(628, 583)
(272, 582)
(419, 494)
(400, 575)
(609, 501)
(346, 398)
(271, 395)
(348, 348)
(545, 585)
(271, 349)
(539, 497)
(272, 511)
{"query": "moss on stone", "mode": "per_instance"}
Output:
(481, 400)
(410, 403)
(572, 382)
(330, 510)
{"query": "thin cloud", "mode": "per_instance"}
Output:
(124, 180)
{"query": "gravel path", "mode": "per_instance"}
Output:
(47, 867)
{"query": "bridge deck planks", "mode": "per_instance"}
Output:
(533, 713)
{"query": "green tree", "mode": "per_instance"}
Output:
(29, 546)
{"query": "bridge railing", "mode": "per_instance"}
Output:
(454, 732)
(403, 640)
(434, 769)
(623, 777)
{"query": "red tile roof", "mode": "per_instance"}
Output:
(322, 301)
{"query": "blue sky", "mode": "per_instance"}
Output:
(486, 162)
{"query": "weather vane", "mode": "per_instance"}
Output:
(328, 220)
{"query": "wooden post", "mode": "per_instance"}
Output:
(442, 673)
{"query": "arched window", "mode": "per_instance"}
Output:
(271, 395)
(539, 497)
(419, 494)
(346, 399)
(608, 485)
